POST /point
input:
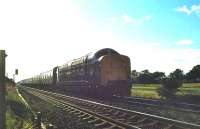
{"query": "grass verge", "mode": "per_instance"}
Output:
(149, 90)
(18, 115)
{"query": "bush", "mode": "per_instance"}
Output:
(169, 87)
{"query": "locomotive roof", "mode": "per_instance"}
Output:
(93, 56)
(105, 51)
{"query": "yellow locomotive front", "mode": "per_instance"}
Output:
(115, 73)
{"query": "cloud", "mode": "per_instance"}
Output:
(184, 9)
(194, 9)
(127, 19)
(130, 20)
(113, 19)
(184, 42)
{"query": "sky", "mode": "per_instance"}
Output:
(156, 35)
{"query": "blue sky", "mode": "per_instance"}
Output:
(165, 25)
(156, 35)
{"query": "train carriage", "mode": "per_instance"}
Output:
(105, 73)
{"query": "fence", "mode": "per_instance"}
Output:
(2, 90)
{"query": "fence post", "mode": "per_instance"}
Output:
(2, 90)
(50, 126)
(39, 120)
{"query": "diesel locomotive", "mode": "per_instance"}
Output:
(104, 73)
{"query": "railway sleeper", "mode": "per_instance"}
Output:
(119, 115)
(136, 119)
(152, 125)
(160, 125)
(110, 110)
(131, 117)
(78, 113)
(104, 109)
(94, 106)
(97, 108)
(122, 115)
(83, 115)
(66, 106)
(97, 121)
(103, 124)
(140, 121)
(68, 110)
(94, 120)
(121, 119)
(146, 123)
(114, 127)
(88, 118)
(116, 113)
(91, 105)
(106, 114)
(73, 111)
(173, 127)
(58, 105)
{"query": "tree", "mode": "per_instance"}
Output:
(145, 77)
(177, 74)
(134, 75)
(158, 76)
(194, 74)
(169, 87)
(171, 84)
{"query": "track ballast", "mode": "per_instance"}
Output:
(106, 116)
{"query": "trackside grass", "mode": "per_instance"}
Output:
(149, 90)
(18, 116)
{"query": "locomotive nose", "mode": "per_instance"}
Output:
(115, 74)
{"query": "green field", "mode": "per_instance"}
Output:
(149, 90)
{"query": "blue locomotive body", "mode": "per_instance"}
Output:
(105, 72)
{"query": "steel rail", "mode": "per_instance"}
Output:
(156, 105)
(176, 123)
(181, 104)
(60, 103)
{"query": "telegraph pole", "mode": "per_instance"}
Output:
(2, 90)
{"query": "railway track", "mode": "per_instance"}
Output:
(106, 116)
(181, 107)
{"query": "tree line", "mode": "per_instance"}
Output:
(146, 77)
